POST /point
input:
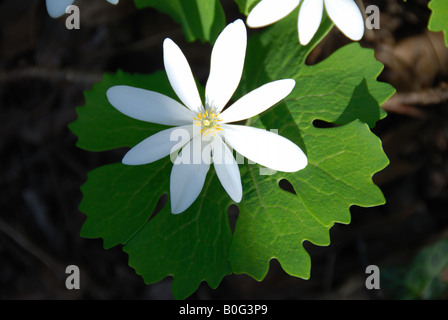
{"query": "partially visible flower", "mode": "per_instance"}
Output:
(210, 137)
(56, 8)
(344, 13)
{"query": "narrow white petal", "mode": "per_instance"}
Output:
(113, 1)
(226, 66)
(347, 17)
(148, 106)
(180, 76)
(258, 100)
(310, 17)
(265, 148)
(159, 145)
(187, 179)
(56, 8)
(227, 169)
(269, 11)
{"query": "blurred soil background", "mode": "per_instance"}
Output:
(44, 69)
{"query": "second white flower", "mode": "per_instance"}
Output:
(344, 13)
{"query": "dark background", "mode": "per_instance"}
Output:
(44, 69)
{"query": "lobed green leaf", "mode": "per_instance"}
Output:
(198, 245)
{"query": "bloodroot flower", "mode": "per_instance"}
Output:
(56, 8)
(344, 13)
(207, 136)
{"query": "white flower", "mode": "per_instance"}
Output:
(344, 13)
(56, 8)
(209, 136)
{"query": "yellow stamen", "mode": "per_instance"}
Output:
(208, 121)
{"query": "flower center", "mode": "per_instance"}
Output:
(209, 122)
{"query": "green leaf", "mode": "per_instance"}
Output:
(342, 90)
(246, 6)
(437, 20)
(193, 247)
(198, 244)
(273, 223)
(126, 206)
(200, 19)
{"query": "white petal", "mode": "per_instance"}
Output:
(187, 179)
(310, 17)
(226, 66)
(56, 8)
(269, 11)
(258, 100)
(347, 17)
(180, 76)
(227, 169)
(148, 106)
(265, 148)
(113, 1)
(159, 145)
